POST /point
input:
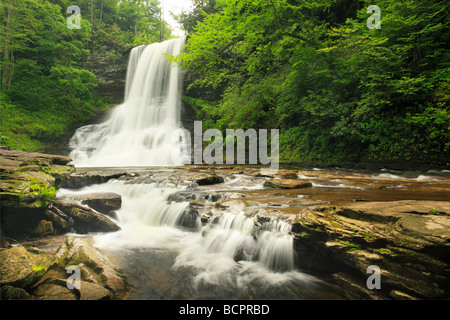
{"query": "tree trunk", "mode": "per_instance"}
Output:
(7, 67)
(92, 13)
(101, 13)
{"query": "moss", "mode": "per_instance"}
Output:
(44, 193)
(385, 252)
(338, 225)
(350, 246)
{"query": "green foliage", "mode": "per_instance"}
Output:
(337, 90)
(434, 212)
(46, 88)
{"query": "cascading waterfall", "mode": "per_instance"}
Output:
(139, 132)
(233, 236)
(232, 251)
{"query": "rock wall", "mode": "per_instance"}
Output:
(408, 240)
(29, 209)
(110, 67)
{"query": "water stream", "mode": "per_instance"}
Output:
(164, 248)
(168, 253)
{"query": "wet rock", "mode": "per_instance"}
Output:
(189, 218)
(239, 255)
(208, 179)
(286, 184)
(83, 179)
(354, 287)
(398, 295)
(103, 202)
(85, 219)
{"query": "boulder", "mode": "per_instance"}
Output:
(51, 291)
(8, 292)
(30, 179)
(44, 228)
(21, 267)
(207, 179)
(286, 184)
(85, 219)
(83, 179)
(95, 267)
(93, 291)
(28, 183)
(103, 202)
(408, 240)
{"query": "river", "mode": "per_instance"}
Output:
(233, 240)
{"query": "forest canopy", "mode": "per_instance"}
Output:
(47, 88)
(338, 89)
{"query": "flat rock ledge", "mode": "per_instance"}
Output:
(286, 184)
(30, 179)
(408, 240)
(29, 272)
(28, 185)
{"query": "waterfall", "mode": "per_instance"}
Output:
(139, 131)
(233, 251)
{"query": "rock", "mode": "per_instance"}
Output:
(83, 179)
(85, 219)
(408, 244)
(93, 291)
(189, 218)
(286, 184)
(50, 291)
(27, 178)
(355, 288)
(4, 243)
(110, 66)
(44, 228)
(207, 179)
(78, 251)
(28, 183)
(8, 292)
(21, 267)
(60, 221)
(398, 295)
(103, 202)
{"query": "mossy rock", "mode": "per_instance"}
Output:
(8, 292)
(44, 228)
(21, 267)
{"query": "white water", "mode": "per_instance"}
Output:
(139, 131)
(232, 250)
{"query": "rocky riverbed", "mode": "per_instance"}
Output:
(341, 222)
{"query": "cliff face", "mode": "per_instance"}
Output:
(110, 67)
